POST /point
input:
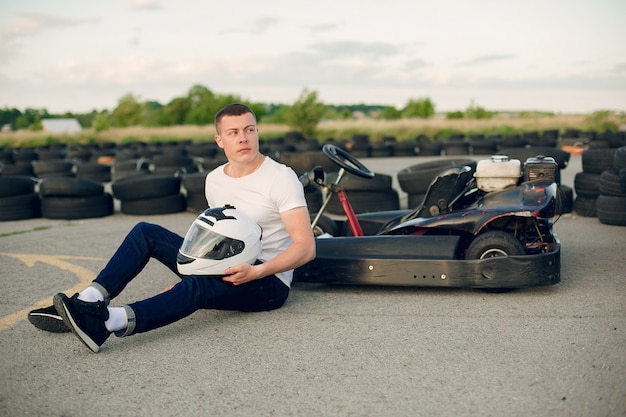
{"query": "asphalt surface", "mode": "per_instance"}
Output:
(332, 350)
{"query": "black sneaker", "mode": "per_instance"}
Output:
(85, 319)
(48, 319)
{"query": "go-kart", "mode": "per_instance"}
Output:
(459, 236)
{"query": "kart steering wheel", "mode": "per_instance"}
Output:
(346, 161)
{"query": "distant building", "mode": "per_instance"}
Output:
(61, 125)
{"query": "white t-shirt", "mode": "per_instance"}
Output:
(263, 195)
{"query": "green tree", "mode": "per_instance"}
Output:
(455, 115)
(150, 113)
(175, 112)
(390, 113)
(305, 113)
(201, 105)
(30, 117)
(128, 112)
(9, 116)
(421, 107)
(477, 112)
(101, 122)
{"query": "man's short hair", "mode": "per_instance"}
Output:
(234, 109)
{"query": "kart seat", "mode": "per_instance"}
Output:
(444, 191)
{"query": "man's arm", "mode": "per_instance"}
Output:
(302, 250)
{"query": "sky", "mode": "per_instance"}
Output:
(562, 56)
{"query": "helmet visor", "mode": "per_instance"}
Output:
(203, 243)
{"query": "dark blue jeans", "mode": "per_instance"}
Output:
(193, 292)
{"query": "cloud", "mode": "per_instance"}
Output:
(33, 23)
(340, 49)
(256, 26)
(323, 27)
(620, 68)
(141, 5)
(485, 59)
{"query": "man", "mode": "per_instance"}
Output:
(267, 192)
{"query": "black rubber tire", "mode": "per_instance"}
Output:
(428, 148)
(196, 202)
(172, 160)
(456, 148)
(24, 155)
(145, 187)
(404, 148)
(194, 183)
(619, 159)
(565, 200)
(69, 187)
(587, 184)
(94, 171)
(493, 244)
(612, 210)
(324, 225)
(314, 199)
(174, 203)
(302, 162)
(610, 184)
(20, 207)
(597, 160)
(586, 207)
(11, 185)
(514, 140)
(174, 170)
(19, 168)
(367, 201)
(129, 168)
(415, 200)
(77, 207)
(622, 179)
(415, 179)
(380, 182)
(52, 167)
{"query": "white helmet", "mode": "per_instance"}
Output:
(219, 238)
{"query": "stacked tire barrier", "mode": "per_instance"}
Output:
(415, 179)
(600, 182)
(587, 183)
(18, 199)
(365, 195)
(194, 189)
(74, 198)
(150, 194)
(611, 202)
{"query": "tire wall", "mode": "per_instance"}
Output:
(601, 186)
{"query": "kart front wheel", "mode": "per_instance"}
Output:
(324, 225)
(494, 244)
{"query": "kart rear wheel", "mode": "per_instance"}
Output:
(494, 244)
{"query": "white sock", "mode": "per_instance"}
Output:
(90, 295)
(118, 319)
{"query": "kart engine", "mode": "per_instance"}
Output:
(497, 173)
(500, 172)
(541, 167)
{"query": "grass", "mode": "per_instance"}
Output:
(19, 232)
(403, 129)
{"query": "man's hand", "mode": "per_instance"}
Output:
(240, 274)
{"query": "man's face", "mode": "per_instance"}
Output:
(239, 137)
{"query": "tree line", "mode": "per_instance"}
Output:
(199, 105)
